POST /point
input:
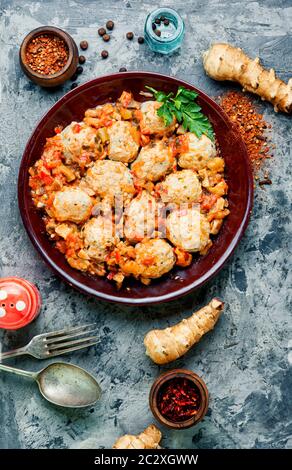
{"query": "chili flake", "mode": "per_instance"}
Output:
(250, 124)
(179, 399)
(46, 54)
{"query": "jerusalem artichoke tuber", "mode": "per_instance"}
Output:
(148, 439)
(166, 345)
(225, 62)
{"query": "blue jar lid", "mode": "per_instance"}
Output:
(170, 35)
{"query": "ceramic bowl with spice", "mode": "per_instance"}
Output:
(179, 399)
(48, 56)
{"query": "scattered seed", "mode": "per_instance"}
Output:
(84, 45)
(74, 77)
(140, 39)
(106, 37)
(123, 69)
(110, 25)
(130, 36)
(79, 70)
(157, 32)
(166, 22)
(101, 31)
(104, 54)
(157, 20)
(153, 26)
(82, 59)
(162, 18)
(74, 85)
(265, 181)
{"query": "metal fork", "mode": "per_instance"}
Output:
(57, 342)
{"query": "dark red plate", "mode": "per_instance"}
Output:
(238, 174)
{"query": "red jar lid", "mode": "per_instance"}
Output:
(20, 303)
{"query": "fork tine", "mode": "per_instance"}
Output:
(64, 351)
(53, 347)
(65, 331)
(70, 336)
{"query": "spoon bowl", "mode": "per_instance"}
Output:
(63, 384)
(68, 385)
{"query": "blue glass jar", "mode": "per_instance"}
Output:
(167, 36)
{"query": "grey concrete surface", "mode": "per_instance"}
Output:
(245, 360)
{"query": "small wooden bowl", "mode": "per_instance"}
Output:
(67, 71)
(174, 374)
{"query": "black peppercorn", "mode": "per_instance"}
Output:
(130, 36)
(106, 37)
(82, 59)
(74, 76)
(110, 25)
(162, 18)
(79, 70)
(104, 54)
(166, 22)
(123, 69)
(101, 31)
(84, 45)
(74, 85)
(157, 20)
(153, 26)
(140, 39)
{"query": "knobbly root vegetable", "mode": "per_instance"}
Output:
(167, 345)
(148, 439)
(225, 62)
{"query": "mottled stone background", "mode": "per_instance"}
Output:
(245, 360)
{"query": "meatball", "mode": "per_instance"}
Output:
(122, 146)
(79, 140)
(154, 161)
(140, 217)
(154, 258)
(180, 187)
(72, 205)
(200, 150)
(99, 239)
(188, 229)
(151, 123)
(109, 179)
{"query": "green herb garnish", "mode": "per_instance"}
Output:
(185, 109)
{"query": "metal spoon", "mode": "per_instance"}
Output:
(63, 384)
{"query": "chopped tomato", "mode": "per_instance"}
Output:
(148, 260)
(77, 128)
(183, 258)
(34, 182)
(46, 178)
(58, 129)
(208, 201)
(180, 145)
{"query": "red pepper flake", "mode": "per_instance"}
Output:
(46, 54)
(179, 399)
(250, 124)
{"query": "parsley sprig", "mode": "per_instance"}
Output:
(185, 109)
